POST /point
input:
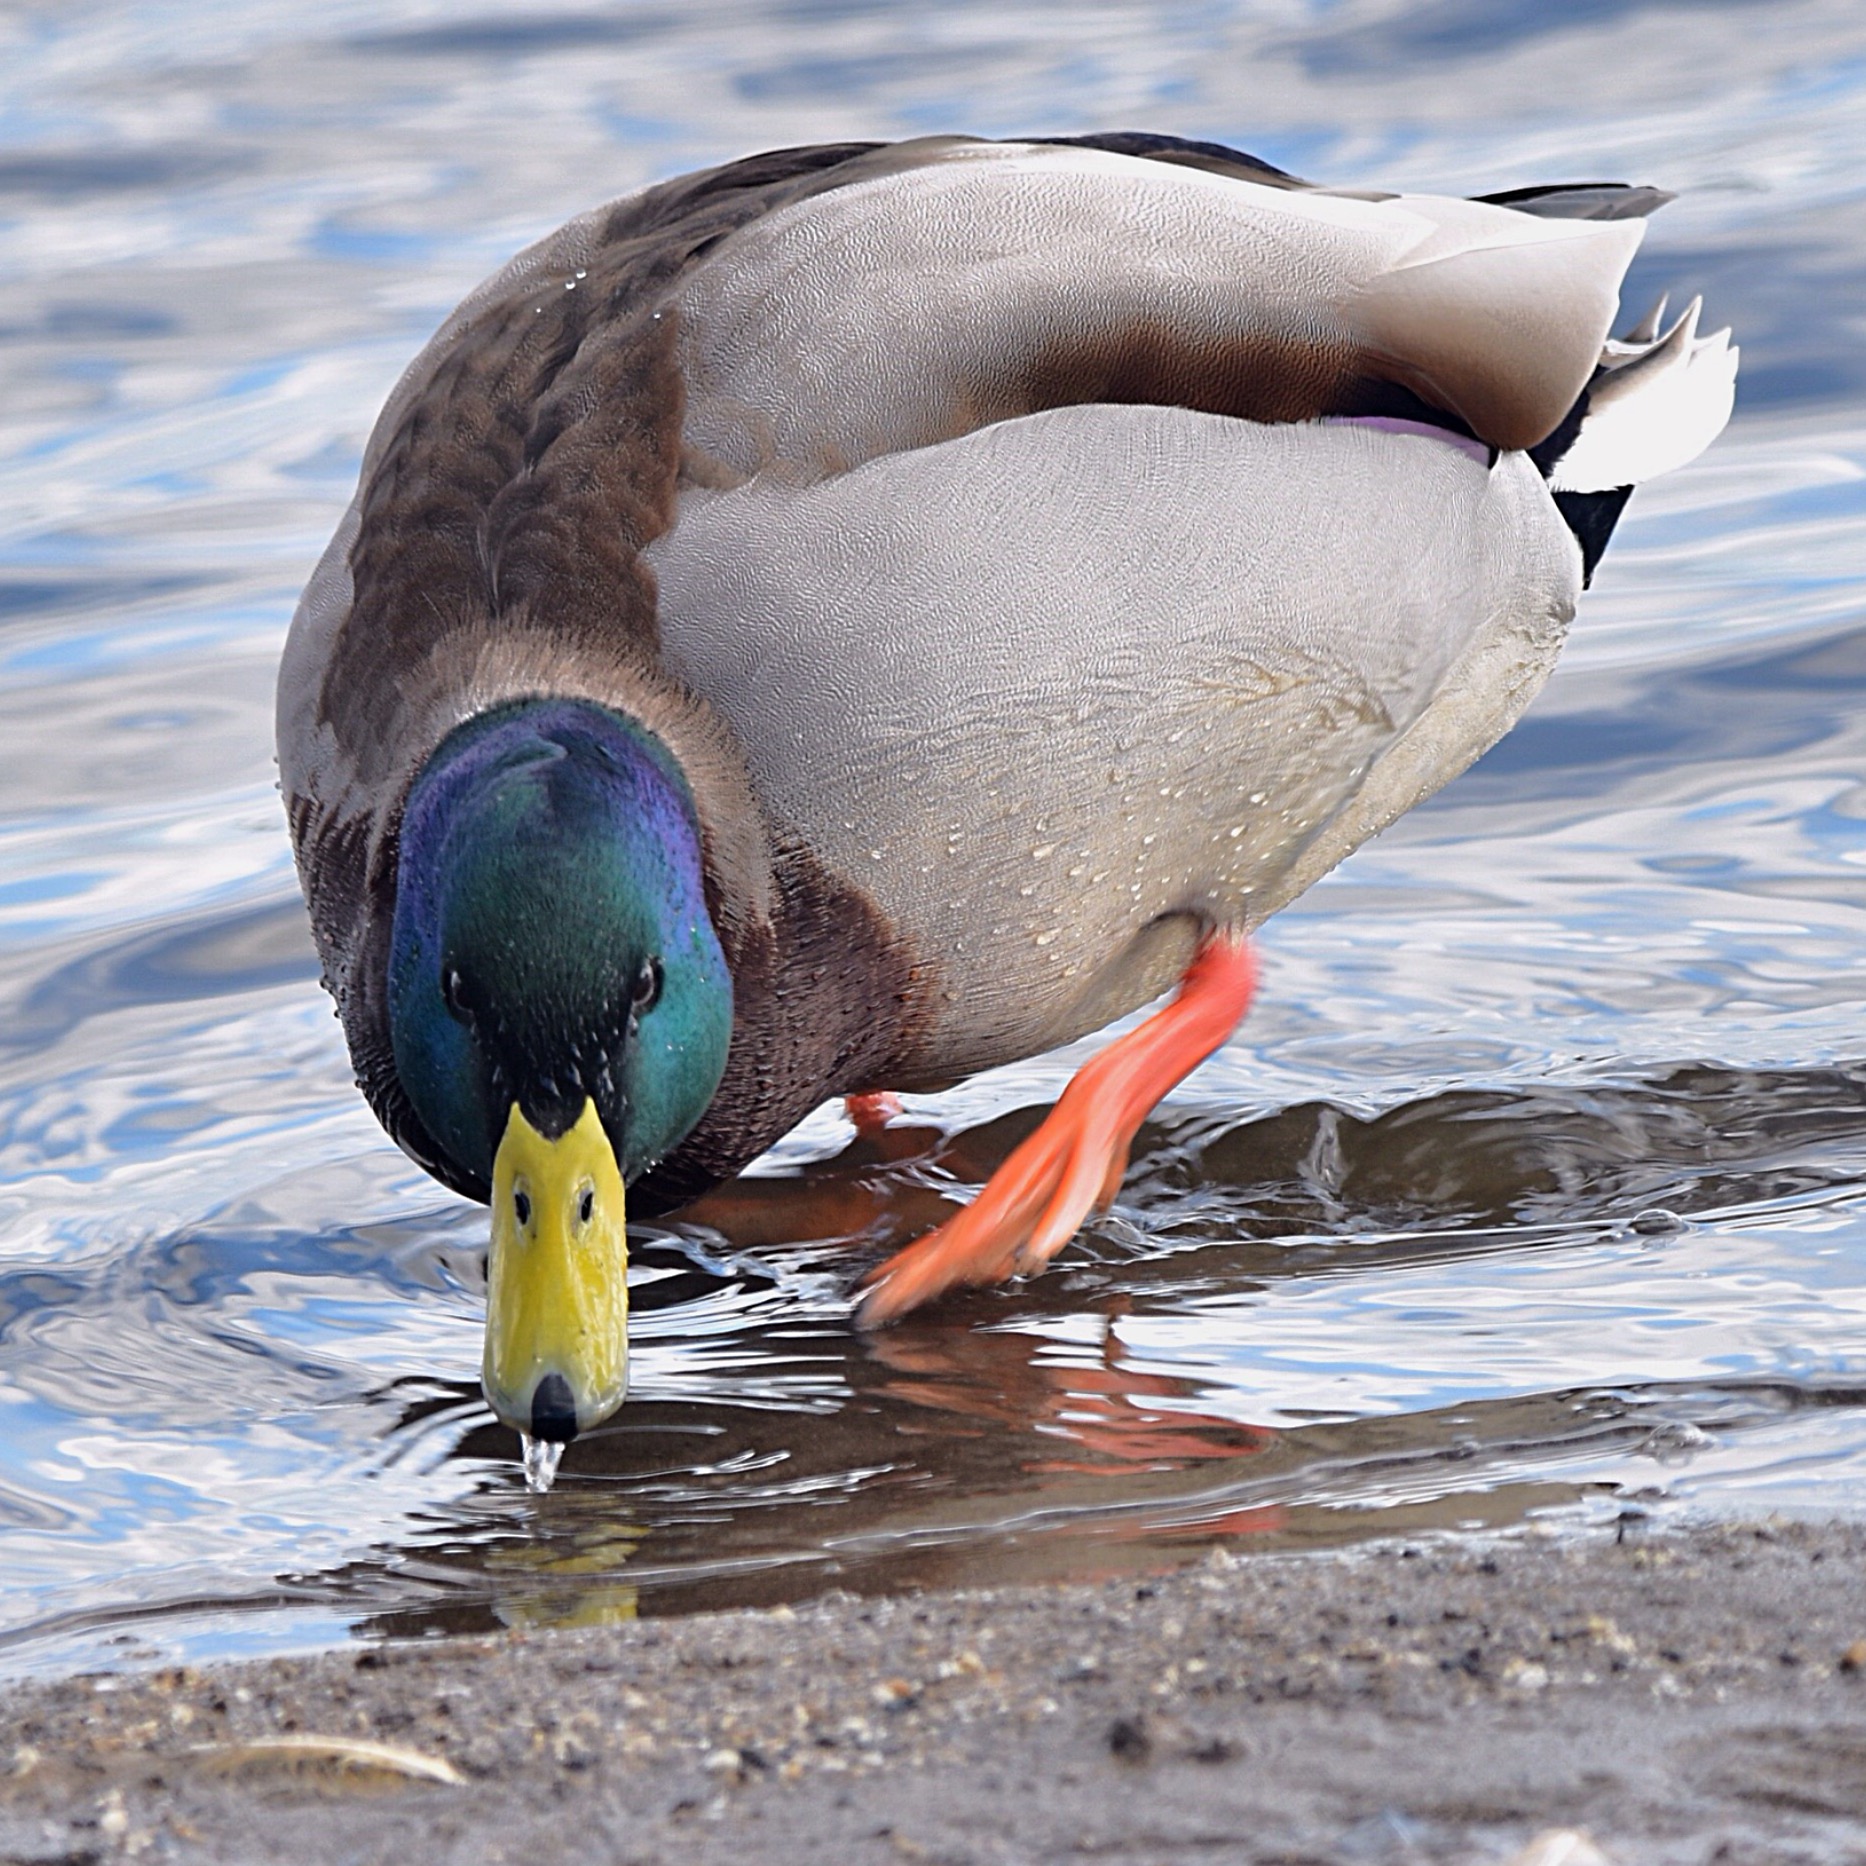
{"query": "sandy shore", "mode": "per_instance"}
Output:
(1690, 1697)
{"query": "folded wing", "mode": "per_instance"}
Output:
(965, 283)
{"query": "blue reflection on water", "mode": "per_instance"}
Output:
(1378, 1266)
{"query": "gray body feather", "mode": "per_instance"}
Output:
(1045, 688)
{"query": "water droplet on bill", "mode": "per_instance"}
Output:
(540, 1457)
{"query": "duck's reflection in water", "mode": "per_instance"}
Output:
(1114, 1412)
(543, 1583)
(888, 1186)
(1018, 1433)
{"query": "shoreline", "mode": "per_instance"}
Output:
(1687, 1695)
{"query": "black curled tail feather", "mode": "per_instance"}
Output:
(1591, 517)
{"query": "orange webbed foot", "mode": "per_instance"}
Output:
(872, 1112)
(1074, 1163)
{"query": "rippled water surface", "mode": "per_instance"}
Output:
(1534, 1189)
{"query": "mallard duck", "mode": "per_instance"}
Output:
(863, 614)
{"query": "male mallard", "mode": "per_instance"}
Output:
(864, 614)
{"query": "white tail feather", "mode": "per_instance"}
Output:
(1645, 331)
(1661, 402)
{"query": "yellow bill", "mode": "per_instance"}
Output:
(557, 1281)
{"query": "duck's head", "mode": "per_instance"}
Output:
(559, 1010)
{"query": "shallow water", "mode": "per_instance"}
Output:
(1534, 1191)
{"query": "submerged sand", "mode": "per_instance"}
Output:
(1693, 1697)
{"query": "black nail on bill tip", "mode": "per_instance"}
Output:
(553, 1411)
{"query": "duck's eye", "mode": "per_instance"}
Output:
(453, 992)
(521, 1206)
(648, 981)
(586, 1205)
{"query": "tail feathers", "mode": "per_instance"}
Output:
(1645, 331)
(1584, 200)
(1656, 402)
(1591, 516)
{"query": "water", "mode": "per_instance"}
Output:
(1533, 1193)
(539, 1458)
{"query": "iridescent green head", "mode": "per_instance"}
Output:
(559, 1011)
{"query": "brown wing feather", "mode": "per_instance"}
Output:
(522, 477)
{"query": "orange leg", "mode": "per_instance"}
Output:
(871, 1113)
(1074, 1163)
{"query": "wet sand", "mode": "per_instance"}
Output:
(1692, 1697)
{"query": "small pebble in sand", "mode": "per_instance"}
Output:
(1128, 1739)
